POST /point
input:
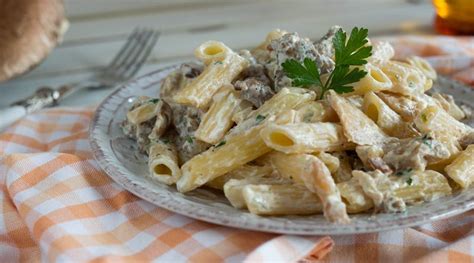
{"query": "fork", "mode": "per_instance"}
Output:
(123, 67)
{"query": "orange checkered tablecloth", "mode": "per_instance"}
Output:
(57, 205)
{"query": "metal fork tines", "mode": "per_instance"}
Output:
(123, 67)
(130, 58)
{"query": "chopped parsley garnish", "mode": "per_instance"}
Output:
(353, 52)
(218, 63)
(189, 139)
(404, 172)
(220, 144)
(409, 181)
(426, 140)
(260, 118)
(154, 101)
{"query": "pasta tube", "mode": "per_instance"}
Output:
(243, 172)
(441, 126)
(305, 137)
(233, 189)
(285, 100)
(406, 79)
(310, 171)
(374, 80)
(163, 163)
(461, 170)
(212, 51)
(354, 196)
(218, 119)
(448, 104)
(316, 111)
(242, 111)
(281, 200)
(412, 188)
(406, 107)
(357, 127)
(233, 153)
(199, 92)
(331, 162)
(387, 119)
(423, 66)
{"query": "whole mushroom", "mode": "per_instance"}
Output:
(29, 30)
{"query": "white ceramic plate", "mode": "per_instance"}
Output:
(119, 157)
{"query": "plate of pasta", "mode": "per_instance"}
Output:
(295, 136)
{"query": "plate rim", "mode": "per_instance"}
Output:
(121, 179)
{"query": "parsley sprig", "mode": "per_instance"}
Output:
(351, 52)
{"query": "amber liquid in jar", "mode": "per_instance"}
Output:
(454, 17)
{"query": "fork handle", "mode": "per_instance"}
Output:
(10, 115)
(43, 97)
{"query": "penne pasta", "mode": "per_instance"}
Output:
(212, 51)
(319, 181)
(281, 200)
(234, 189)
(242, 111)
(243, 172)
(461, 170)
(163, 163)
(357, 127)
(316, 111)
(233, 153)
(354, 197)
(285, 100)
(423, 66)
(412, 188)
(310, 171)
(344, 170)
(374, 80)
(305, 137)
(441, 126)
(199, 92)
(406, 107)
(218, 119)
(331, 162)
(447, 103)
(406, 79)
(387, 119)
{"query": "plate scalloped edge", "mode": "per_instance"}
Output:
(117, 157)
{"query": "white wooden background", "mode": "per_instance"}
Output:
(99, 27)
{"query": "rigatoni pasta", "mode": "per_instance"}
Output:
(289, 129)
(199, 92)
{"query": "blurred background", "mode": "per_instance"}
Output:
(98, 28)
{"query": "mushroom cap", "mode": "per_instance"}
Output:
(29, 30)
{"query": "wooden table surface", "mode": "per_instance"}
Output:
(98, 28)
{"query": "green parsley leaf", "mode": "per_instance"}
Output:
(154, 101)
(351, 52)
(220, 144)
(354, 52)
(409, 181)
(302, 75)
(404, 172)
(343, 77)
(189, 139)
(259, 118)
